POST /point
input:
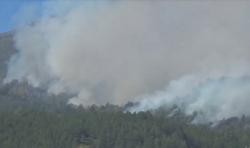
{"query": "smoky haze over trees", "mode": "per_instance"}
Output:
(145, 51)
(127, 74)
(30, 117)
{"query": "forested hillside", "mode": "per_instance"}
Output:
(31, 118)
(46, 126)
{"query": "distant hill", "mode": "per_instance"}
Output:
(21, 94)
(7, 48)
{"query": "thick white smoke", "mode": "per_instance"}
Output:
(115, 51)
(212, 98)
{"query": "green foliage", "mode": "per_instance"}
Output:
(109, 127)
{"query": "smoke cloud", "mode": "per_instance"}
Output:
(118, 51)
(212, 99)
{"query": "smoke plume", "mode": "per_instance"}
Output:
(212, 99)
(118, 51)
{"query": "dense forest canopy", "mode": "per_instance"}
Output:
(43, 121)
